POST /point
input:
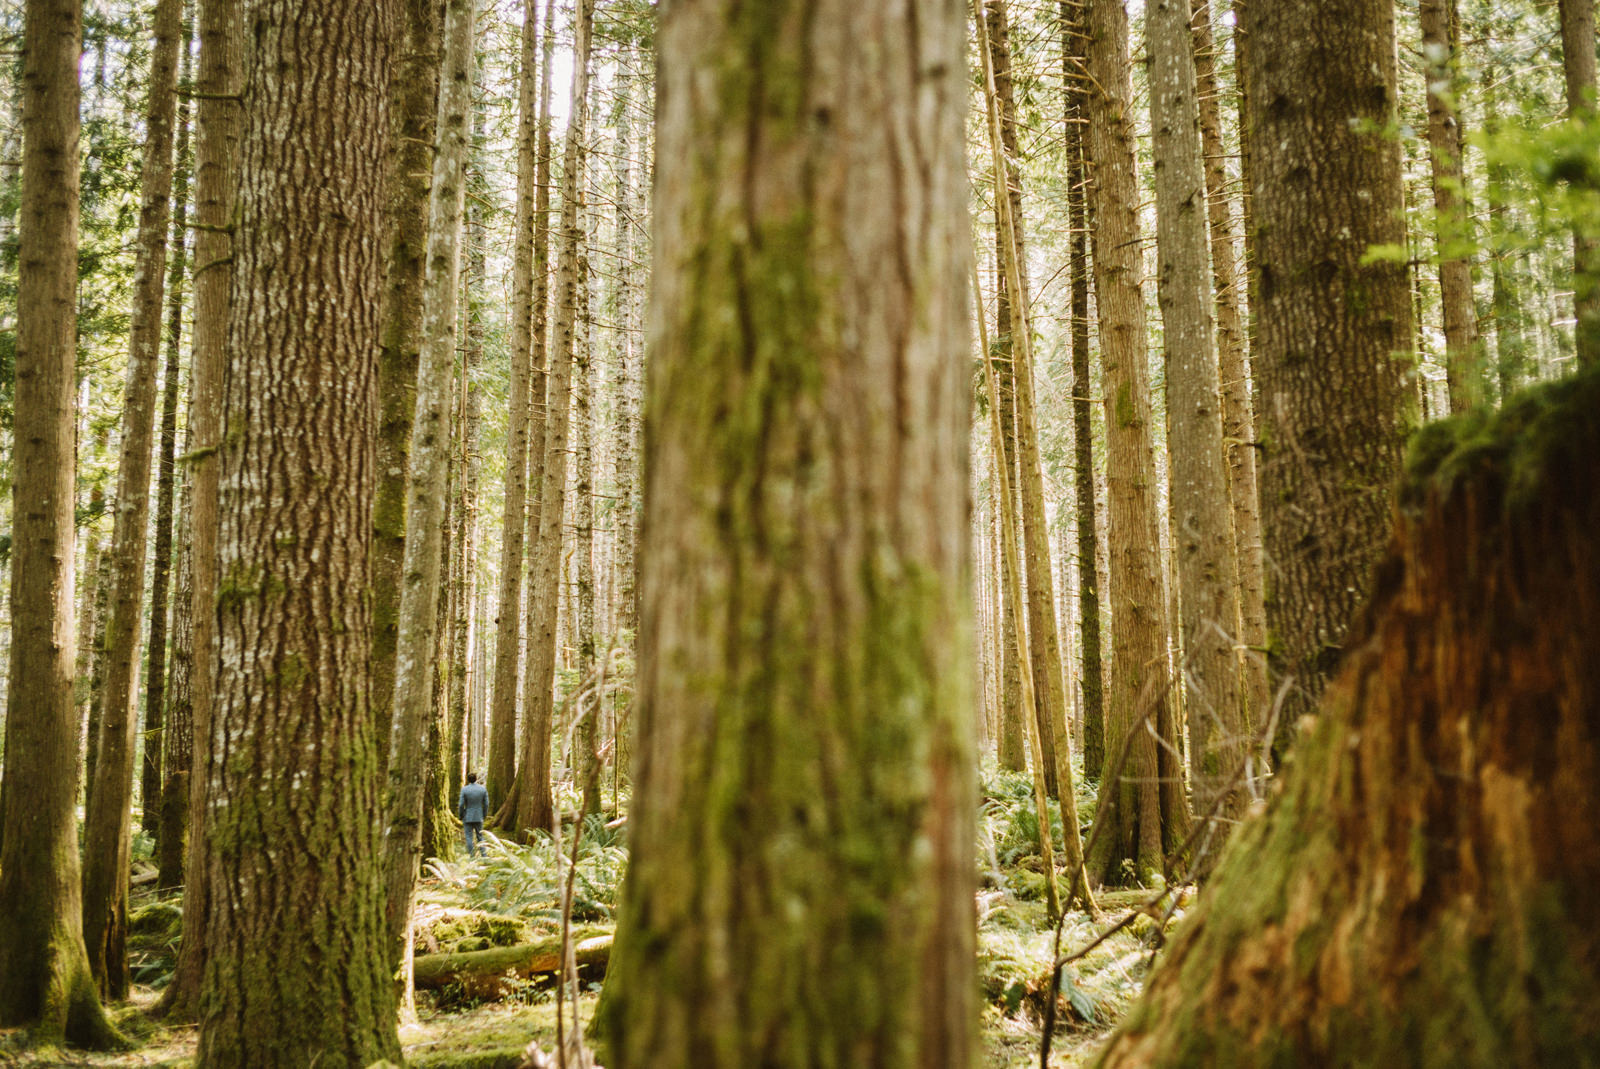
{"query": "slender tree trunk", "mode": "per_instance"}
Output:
(108, 823)
(1011, 324)
(814, 500)
(1043, 640)
(586, 762)
(1013, 730)
(155, 740)
(1143, 812)
(1332, 424)
(1203, 523)
(1091, 676)
(45, 980)
(216, 150)
(473, 297)
(1238, 416)
(178, 753)
(1440, 54)
(414, 98)
(100, 593)
(1578, 64)
(508, 634)
(534, 807)
(1423, 850)
(625, 458)
(427, 504)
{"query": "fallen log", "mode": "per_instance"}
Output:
(491, 974)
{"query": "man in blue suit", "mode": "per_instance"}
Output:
(472, 806)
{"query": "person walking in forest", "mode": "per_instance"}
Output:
(472, 805)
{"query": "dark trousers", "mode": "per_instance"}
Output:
(474, 831)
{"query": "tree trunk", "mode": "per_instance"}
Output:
(216, 151)
(108, 823)
(1336, 387)
(1091, 675)
(625, 458)
(1238, 410)
(1049, 689)
(586, 762)
(1202, 528)
(1143, 812)
(1417, 893)
(501, 971)
(178, 753)
(1037, 637)
(1578, 64)
(44, 971)
(464, 665)
(801, 886)
(530, 807)
(292, 823)
(414, 101)
(427, 502)
(1013, 732)
(150, 791)
(508, 633)
(1440, 54)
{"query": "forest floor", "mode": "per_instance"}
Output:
(511, 897)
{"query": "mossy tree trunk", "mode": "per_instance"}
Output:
(414, 96)
(1417, 894)
(801, 885)
(108, 821)
(1333, 335)
(427, 502)
(1144, 811)
(45, 982)
(216, 153)
(1202, 529)
(293, 820)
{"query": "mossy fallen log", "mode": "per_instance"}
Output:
(491, 974)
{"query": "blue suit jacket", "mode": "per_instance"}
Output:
(473, 803)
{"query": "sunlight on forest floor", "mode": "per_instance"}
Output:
(511, 897)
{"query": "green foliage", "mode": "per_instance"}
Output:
(528, 881)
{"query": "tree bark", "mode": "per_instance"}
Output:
(1143, 811)
(427, 503)
(1419, 884)
(45, 981)
(586, 762)
(1091, 675)
(801, 883)
(1578, 66)
(1035, 636)
(1440, 54)
(108, 823)
(530, 807)
(151, 789)
(216, 151)
(1233, 364)
(294, 788)
(1202, 519)
(414, 101)
(508, 633)
(1337, 388)
(1043, 640)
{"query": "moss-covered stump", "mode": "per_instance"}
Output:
(1418, 893)
(492, 973)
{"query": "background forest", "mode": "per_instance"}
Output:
(1083, 504)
